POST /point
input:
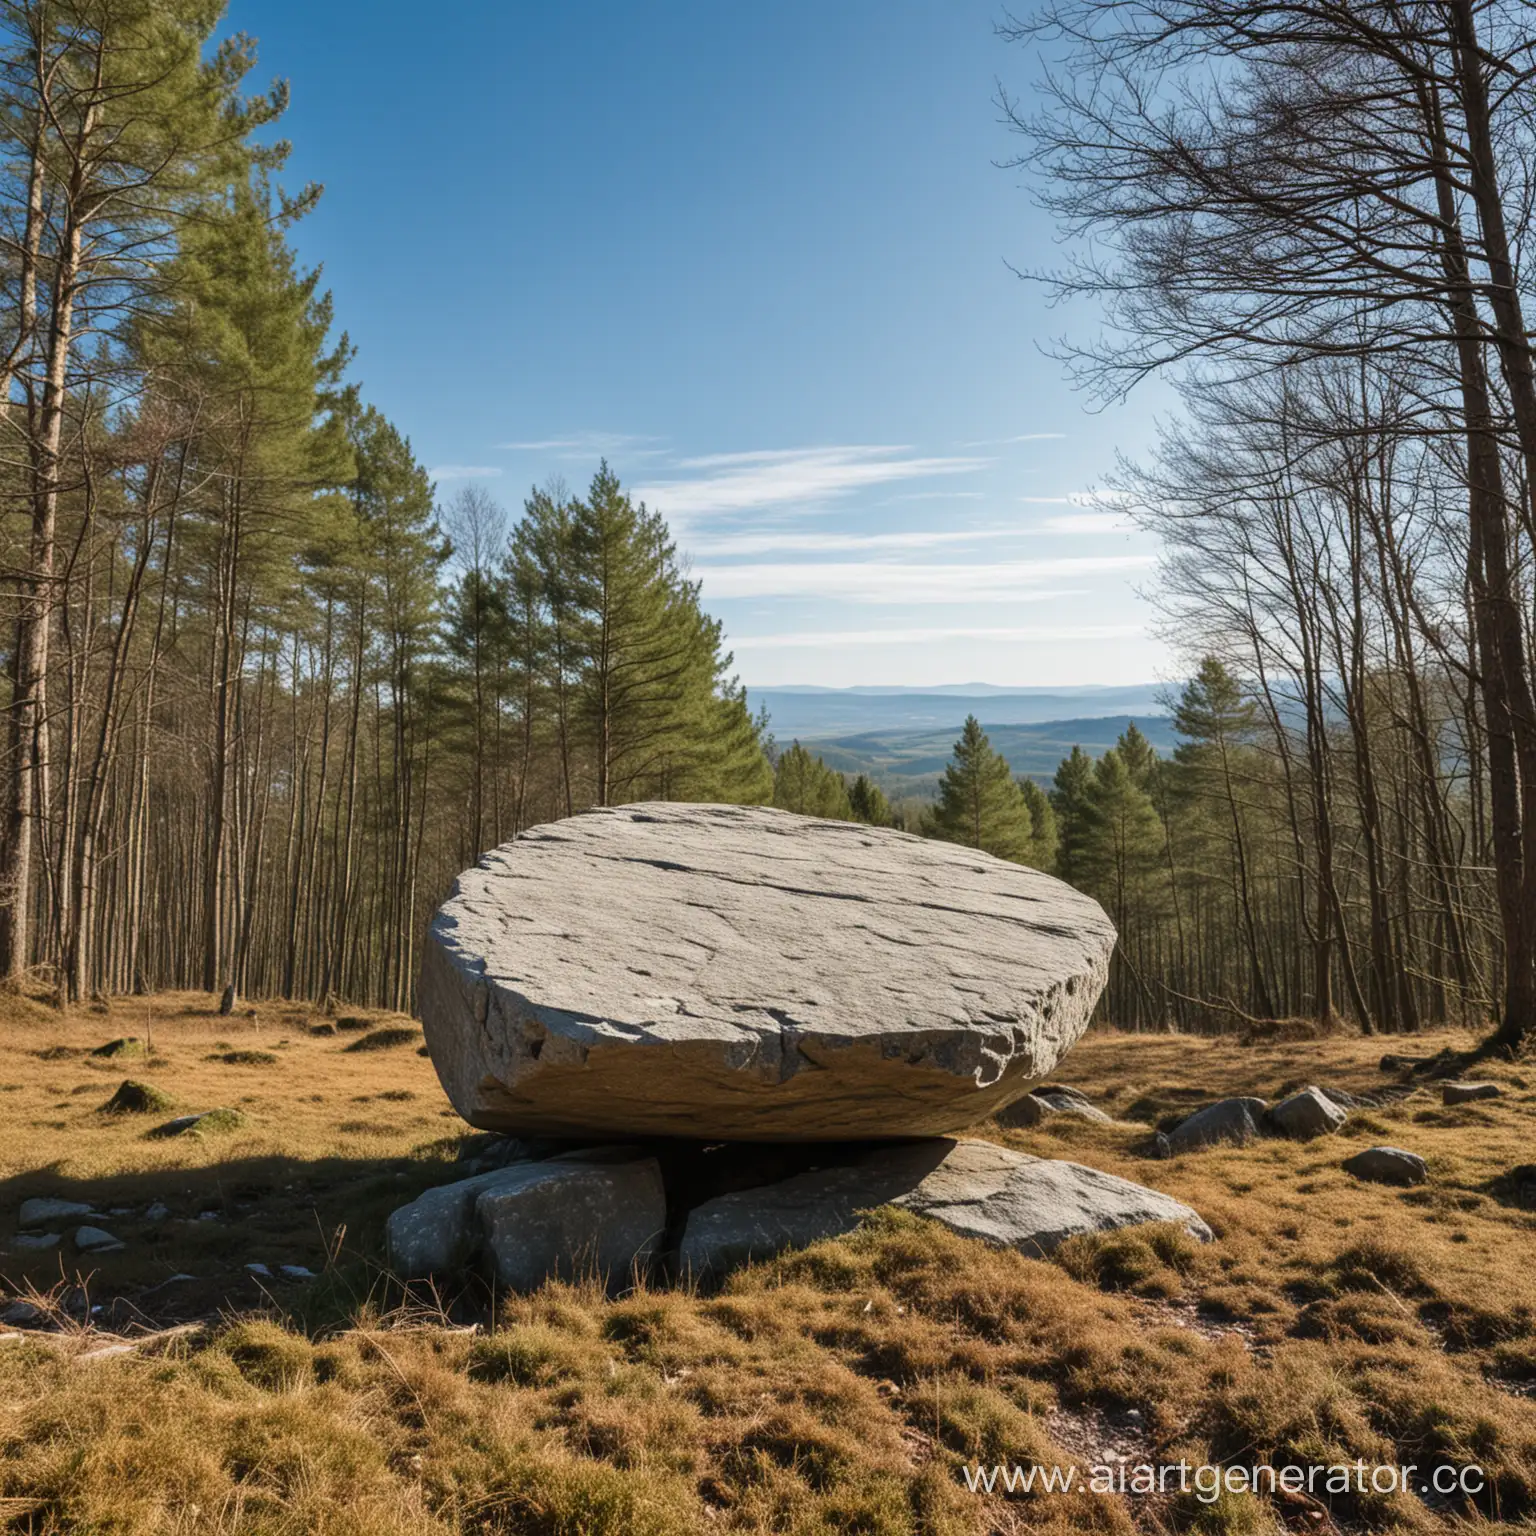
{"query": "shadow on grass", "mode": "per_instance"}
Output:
(190, 1236)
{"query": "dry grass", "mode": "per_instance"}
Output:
(836, 1390)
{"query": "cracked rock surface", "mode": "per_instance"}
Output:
(744, 973)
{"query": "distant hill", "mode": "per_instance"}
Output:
(910, 762)
(806, 712)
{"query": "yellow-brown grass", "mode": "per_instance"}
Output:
(837, 1390)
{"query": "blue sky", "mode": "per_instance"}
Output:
(757, 257)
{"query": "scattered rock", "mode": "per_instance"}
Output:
(1387, 1165)
(134, 1098)
(1306, 1114)
(385, 1039)
(743, 973)
(260, 1271)
(243, 1058)
(28, 1241)
(22, 1314)
(295, 1272)
(350, 1023)
(974, 1188)
(1469, 1093)
(1038, 1103)
(209, 1121)
(96, 1240)
(1227, 1120)
(157, 1212)
(571, 1217)
(130, 1045)
(323, 1029)
(40, 1212)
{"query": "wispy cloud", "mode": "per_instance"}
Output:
(793, 541)
(739, 482)
(1000, 581)
(1022, 437)
(832, 638)
(584, 444)
(1088, 522)
(464, 472)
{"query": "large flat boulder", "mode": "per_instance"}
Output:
(975, 1188)
(744, 973)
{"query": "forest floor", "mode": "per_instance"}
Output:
(166, 1386)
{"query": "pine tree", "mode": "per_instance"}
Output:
(979, 803)
(1069, 800)
(805, 785)
(869, 803)
(1121, 853)
(1043, 835)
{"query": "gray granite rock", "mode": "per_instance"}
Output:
(42, 1212)
(1469, 1093)
(437, 1233)
(599, 1209)
(1227, 1120)
(743, 973)
(35, 1241)
(1387, 1165)
(96, 1240)
(1311, 1112)
(570, 1217)
(975, 1188)
(1040, 1103)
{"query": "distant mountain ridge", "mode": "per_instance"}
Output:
(910, 762)
(807, 712)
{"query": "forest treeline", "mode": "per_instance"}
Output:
(1315, 221)
(264, 697)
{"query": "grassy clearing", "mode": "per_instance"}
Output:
(837, 1390)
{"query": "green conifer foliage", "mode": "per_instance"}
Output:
(1043, 834)
(979, 803)
(1069, 800)
(804, 784)
(869, 803)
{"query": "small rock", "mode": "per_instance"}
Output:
(1040, 1102)
(38, 1213)
(295, 1272)
(157, 1212)
(259, 1270)
(1468, 1093)
(22, 1314)
(1396, 1063)
(1387, 1165)
(1227, 1120)
(208, 1215)
(35, 1240)
(96, 1240)
(1306, 1114)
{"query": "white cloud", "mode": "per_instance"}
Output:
(1088, 522)
(1022, 437)
(830, 639)
(464, 472)
(1000, 581)
(582, 444)
(790, 541)
(738, 482)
